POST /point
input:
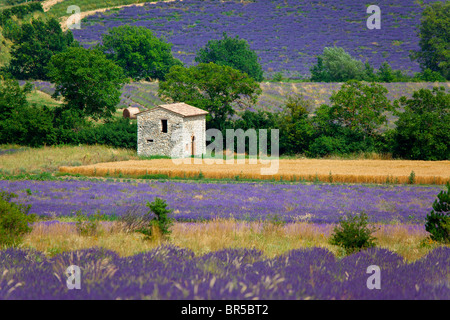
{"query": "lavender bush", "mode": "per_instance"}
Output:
(317, 203)
(171, 273)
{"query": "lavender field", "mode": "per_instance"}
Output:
(286, 34)
(144, 95)
(315, 203)
(171, 273)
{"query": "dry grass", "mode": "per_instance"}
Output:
(203, 238)
(326, 170)
(49, 159)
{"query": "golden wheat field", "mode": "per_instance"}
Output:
(346, 171)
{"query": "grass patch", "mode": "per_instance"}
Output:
(203, 237)
(60, 9)
(34, 161)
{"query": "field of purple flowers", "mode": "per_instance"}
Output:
(143, 95)
(286, 34)
(315, 203)
(171, 273)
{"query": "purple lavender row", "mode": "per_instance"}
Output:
(171, 273)
(320, 203)
(287, 35)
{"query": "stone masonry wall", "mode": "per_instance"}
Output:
(150, 128)
(177, 142)
(195, 126)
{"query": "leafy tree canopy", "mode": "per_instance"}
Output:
(12, 97)
(423, 129)
(232, 52)
(37, 42)
(88, 81)
(211, 87)
(434, 53)
(360, 107)
(141, 54)
(336, 65)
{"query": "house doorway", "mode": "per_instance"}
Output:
(193, 146)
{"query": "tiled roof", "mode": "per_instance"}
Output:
(182, 109)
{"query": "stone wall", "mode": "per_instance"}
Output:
(177, 142)
(150, 128)
(195, 126)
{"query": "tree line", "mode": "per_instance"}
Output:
(225, 79)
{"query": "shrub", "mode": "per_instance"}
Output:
(14, 220)
(139, 52)
(160, 221)
(423, 130)
(87, 226)
(336, 65)
(232, 52)
(438, 220)
(353, 233)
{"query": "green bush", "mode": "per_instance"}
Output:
(336, 65)
(353, 233)
(423, 130)
(160, 220)
(232, 52)
(87, 226)
(438, 220)
(14, 220)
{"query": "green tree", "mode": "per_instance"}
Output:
(429, 76)
(232, 52)
(434, 33)
(15, 220)
(12, 97)
(336, 65)
(295, 128)
(141, 54)
(423, 129)
(88, 81)
(21, 123)
(37, 42)
(385, 73)
(214, 88)
(360, 107)
(438, 220)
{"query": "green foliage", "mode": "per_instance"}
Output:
(429, 75)
(327, 145)
(296, 131)
(161, 220)
(353, 233)
(12, 97)
(12, 30)
(278, 77)
(141, 54)
(20, 123)
(19, 11)
(88, 81)
(119, 133)
(14, 220)
(423, 129)
(256, 120)
(434, 53)
(438, 220)
(336, 65)
(412, 178)
(353, 123)
(360, 107)
(234, 53)
(208, 86)
(87, 226)
(37, 42)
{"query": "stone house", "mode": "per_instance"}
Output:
(176, 130)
